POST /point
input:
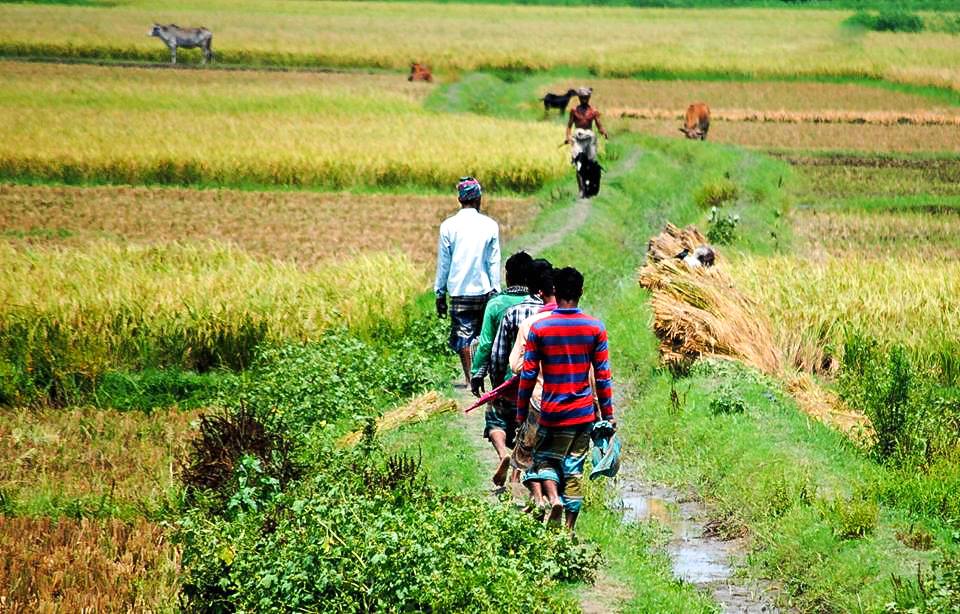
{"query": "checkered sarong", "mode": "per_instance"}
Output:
(466, 318)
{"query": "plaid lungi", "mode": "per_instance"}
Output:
(559, 456)
(466, 318)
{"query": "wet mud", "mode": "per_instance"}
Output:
(697, 556)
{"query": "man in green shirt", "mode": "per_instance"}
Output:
(517, 270)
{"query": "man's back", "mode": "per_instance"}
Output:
(468, 254)
(563, 346)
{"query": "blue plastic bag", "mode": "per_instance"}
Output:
(606, 450)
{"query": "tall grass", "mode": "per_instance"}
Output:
(68, 316)
(622, 41)
(815, 304)
(95, 124)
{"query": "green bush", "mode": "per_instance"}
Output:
(723, 228)
(915, 419)
(727, 400)
(887, 20)
(716, 193)
(933, 592)
(851, 518)
(369, 534)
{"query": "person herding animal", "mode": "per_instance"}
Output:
(468, 269)
(175, 37)
(583, 117)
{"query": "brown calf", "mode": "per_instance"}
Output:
(419, 72)
(697, 122)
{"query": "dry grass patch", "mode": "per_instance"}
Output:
(86, 566)
(124, 459)
(302, 227)
(761, 95)
(881, 234)
(867, 137)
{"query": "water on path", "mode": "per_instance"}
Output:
(697, 557)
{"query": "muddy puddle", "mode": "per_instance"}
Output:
(697, 557)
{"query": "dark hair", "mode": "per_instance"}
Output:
(541, 276)
(569, 284)
(518, 269)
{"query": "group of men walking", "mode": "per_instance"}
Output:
(533, 335)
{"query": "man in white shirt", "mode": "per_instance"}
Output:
(468, 269)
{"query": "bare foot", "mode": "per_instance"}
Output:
(500, 476)
(556, 513)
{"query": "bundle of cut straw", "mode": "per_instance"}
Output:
(418, 409)
(697, 311)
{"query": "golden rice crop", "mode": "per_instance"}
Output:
(124, 459)
(814, 303)
(867, 137)
(69, 315)
(880, 234)
(293, 226)
(86, 565)
(622, 41)
(150, 131)
(763, 96)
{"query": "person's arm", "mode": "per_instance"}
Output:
(516, 352)
(600, 127)
(601, 369)
(528, 376)
(569, 128)
(481, 355)
(493, 259)
(444, 255)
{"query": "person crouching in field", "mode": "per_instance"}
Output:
(468, 268)
(499, 425)
(563, 346)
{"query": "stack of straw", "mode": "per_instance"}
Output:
(418, 409)
(697, 312)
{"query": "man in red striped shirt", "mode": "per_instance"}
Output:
(563, 346)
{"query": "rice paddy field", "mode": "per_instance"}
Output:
(249, 247)
(455, 37)
(91, 124)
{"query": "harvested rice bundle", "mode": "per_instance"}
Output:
(418, 409)
(698, 312)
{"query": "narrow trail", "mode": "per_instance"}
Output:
(698, 557)
(579, 213)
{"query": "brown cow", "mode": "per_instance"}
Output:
(697, 121)
(419, 72)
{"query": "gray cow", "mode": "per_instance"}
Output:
(174, 36)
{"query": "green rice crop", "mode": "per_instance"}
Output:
(70, 315)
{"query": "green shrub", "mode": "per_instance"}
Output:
(851, 518)
(369, 534)
(933, 592)
(723, 228)
(716, 193)
(727, 400)
(915, 419)
(887, 20)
